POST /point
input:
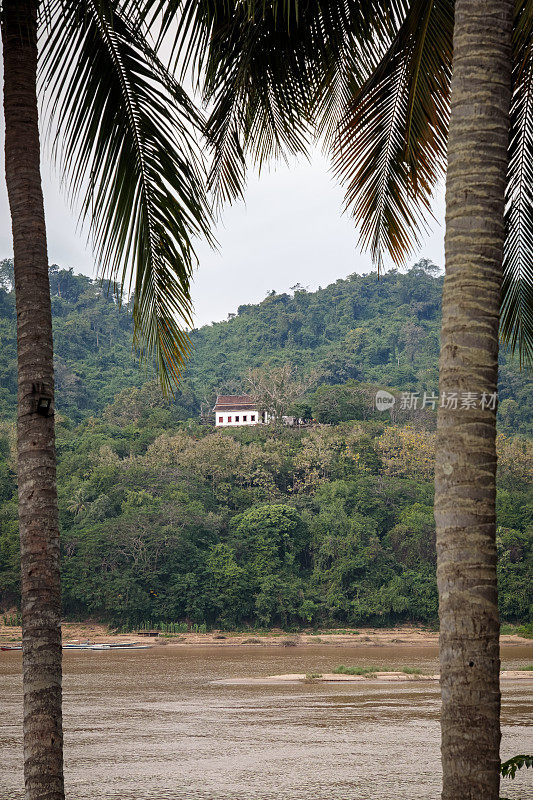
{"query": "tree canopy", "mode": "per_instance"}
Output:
(169, 520)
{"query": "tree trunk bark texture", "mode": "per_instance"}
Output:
(38, 519)
(465, 488)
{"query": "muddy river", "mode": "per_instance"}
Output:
(154, 725)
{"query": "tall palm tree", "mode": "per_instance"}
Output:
(401, 116)
(465, 473)
(374, 80)
(124, 131)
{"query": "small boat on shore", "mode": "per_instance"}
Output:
(89, 646)
(107, 646)
(128, 644)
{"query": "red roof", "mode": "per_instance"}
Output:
(228, 402)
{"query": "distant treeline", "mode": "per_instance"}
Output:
(382, 332)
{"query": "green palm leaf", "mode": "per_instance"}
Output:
(391, 151)
(262, 65)
(251, 115)
(517, 289)
(391, 146)
(125, 136)
(242, 60)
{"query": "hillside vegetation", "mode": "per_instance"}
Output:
(382, 331)
(167, 520)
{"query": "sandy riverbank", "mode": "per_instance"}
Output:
(379, 677)
(74, 632)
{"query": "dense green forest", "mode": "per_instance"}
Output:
(166, 519)
(382, 331)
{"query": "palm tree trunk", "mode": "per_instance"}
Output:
(39, 533)
(466, 455)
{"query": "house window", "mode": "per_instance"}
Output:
(244, 418)
(236, 419)
(229, 419)
(252, 417)
(221, 419)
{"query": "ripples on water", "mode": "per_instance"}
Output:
(151, 725)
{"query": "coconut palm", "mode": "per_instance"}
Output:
(77, 504)
(124, 132)
(465, 473)
(374, 81)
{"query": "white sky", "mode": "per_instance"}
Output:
(289, 230)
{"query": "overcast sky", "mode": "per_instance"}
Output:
(289, 230)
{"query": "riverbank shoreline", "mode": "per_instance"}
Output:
(374, 677)
(408, 636)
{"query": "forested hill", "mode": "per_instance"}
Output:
(381, 331)
(165, 521)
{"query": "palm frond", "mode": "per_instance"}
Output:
(261, 66)
(125, 137)
(517, 289)
(276, 73)
(390, 149)
(257, 87)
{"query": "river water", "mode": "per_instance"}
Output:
(154, 725)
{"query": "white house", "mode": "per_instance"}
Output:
(237, 409)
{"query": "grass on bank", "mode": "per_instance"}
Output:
(342, 670)
(525, 630)
(369, 671)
